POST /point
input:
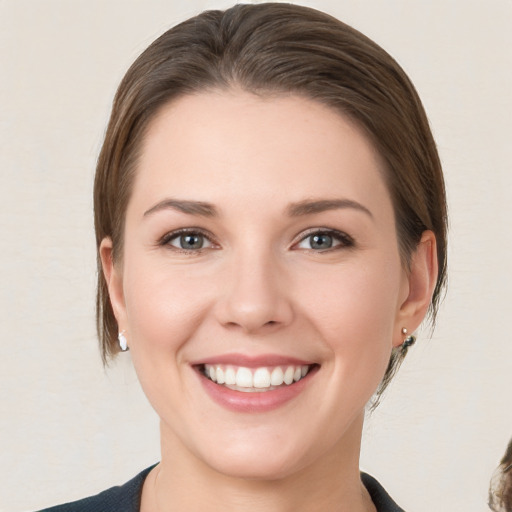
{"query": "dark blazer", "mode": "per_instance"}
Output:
(126, 498)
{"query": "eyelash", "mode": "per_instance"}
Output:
(167, 238)
(345, 241)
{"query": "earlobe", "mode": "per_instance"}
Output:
(421, 281)
(113, 278)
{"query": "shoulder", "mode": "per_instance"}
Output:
(381, 499)
(123, 498)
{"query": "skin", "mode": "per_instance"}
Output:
(259, 287)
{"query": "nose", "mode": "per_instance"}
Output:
(256, 295)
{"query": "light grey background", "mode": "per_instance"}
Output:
(67, 427)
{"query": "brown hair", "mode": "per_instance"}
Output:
(267, 49)
(500, 492)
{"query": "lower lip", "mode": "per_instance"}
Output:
(254, 402)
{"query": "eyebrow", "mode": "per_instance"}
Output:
(191, 207)
(306, 207)
(309, 207)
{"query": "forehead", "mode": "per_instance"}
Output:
(222, 145)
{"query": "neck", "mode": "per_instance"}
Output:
(183, 482)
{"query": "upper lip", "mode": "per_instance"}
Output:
(252, 361)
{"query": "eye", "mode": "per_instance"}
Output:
(187, 241)
(325, 240)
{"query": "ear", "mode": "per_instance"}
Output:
(114, 279)
(418, 287)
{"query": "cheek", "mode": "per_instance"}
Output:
(355, 311)
(163, 304)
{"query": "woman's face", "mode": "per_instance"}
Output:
(260, 249)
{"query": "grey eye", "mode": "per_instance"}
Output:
(320, 241)
(190, 241)
(325, 240)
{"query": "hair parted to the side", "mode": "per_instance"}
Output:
(272, 49)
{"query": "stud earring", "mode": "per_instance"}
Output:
(122, 341)
(408, 340)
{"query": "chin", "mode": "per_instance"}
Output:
(259, 467)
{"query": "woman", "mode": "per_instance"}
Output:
(270, 219)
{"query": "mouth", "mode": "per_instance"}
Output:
(255, 380)
(254, 384)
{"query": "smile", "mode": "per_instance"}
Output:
(250, 380)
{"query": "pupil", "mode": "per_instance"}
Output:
(191, 241)
(321, 241)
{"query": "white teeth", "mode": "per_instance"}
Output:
(255, 379)
(230, 376)
(261, 378)
(288, 375)
(220, 375)
(244, 378)
(277, 377)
